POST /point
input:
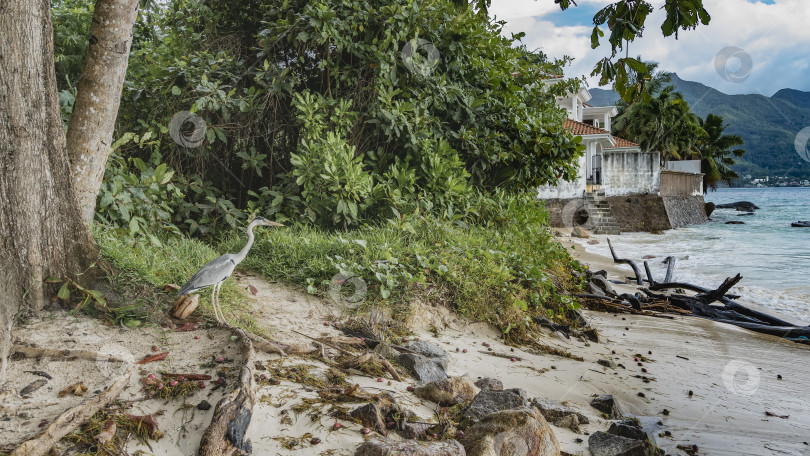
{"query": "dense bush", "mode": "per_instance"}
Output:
(318, 111)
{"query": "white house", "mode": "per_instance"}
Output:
(610, 164)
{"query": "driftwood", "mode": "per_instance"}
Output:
(702, 304)
(632, 263)
(670, 261)
(650, 279)
(226, 433)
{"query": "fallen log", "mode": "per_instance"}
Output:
(632, 263)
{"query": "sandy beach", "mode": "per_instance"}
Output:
(731, 373)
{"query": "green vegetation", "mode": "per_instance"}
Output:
(400, 142)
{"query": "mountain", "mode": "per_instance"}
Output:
(768, 125)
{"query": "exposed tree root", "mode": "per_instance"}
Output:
(226, 433)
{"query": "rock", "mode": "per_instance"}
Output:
(579, 232)
(448, 391)
(595, 290)
(593, 242)
(608, 405)
(604, 444)
(519, 432)
(739, 204)
(488, 383)
(429, 350)
(414, 430)
(377, 446)
(203, 405)
(558, 414)
(603, 284)
(386, 351)
(371, 417)
(607, 363)
(735, 222)
(422, 367)
(489, 401)
(629, 428)
(709, 209)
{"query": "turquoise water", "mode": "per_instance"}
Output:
(773, 257)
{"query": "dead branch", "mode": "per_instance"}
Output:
(632, 264)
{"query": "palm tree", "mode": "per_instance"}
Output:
(659, 118)
(715, 151)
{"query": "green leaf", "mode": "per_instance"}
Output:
(175, 90)
(64, 291)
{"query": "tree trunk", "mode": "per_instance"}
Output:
(91, 126)
(42, 233)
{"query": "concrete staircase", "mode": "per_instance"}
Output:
(600, 219)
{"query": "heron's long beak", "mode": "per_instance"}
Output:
(269, 223)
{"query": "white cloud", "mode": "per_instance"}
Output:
(776, 36)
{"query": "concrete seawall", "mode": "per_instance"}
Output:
(636, 212)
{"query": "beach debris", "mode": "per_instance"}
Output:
(107, 433)
(448, 391)
(665, 412)
(40, 374)
(784, 417)
(315, 441)
(153, 358)
(370, 415)
(381, 446)
(76, 389)
(524, 429)
(779, 376)
(608, 405)
(558, 414)
(593, 242)
(691, 450)
(147, 422)
(185, 306)
(489, 401)
(606, 363)
(488, 383)
(33, 386)
(365, 431)
(253, 290)
(203, 405)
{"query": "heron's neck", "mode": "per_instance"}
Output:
(243, 253)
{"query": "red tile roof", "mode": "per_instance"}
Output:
(581, 128)
(621, 142)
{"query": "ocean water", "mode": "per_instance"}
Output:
(772, 256)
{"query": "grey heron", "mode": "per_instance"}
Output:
(219, 269)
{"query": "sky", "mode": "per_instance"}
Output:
(750, 46)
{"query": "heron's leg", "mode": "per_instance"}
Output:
(217, 310)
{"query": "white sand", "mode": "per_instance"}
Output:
(732, 373)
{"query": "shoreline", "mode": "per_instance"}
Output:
(731, 371)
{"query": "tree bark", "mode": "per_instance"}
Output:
(42, 231)
(91, 127)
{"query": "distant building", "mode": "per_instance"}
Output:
(613, 169)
